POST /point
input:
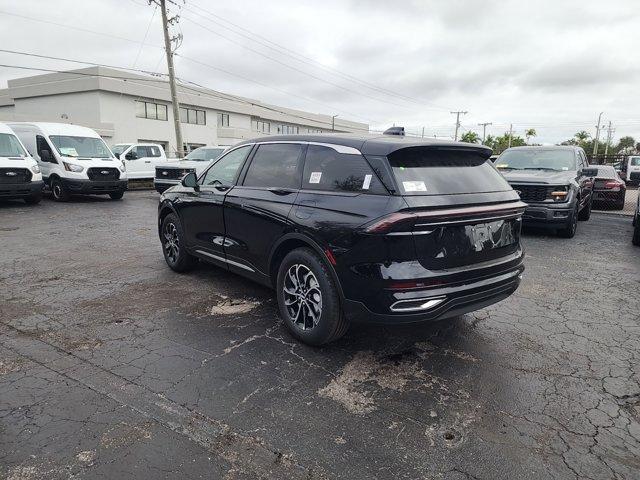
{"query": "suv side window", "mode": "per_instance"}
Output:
(275, 165)
(226, 169)
(41, 144)
(326, 169)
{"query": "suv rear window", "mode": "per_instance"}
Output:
(326, 169)
(428, 171)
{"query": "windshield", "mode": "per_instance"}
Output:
(10, 146)
(423, 171)
(204, 154)
(118, 149)
(538, 159)
(87, 147)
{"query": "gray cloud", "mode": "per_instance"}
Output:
(548, 64)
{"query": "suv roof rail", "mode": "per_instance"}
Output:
(394, 131)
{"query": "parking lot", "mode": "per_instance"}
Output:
(113, 366)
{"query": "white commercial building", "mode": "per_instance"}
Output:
(125, 108)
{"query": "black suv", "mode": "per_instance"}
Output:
(383, 229)
(555, 182)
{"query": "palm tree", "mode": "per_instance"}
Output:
(582, 136)
(530, 132)
(470, 137)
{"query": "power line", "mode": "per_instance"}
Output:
(146, 34)
(336, 85)
(72, 27)
(484, 129)
(282, 50)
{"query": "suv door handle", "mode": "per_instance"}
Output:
(221, 188)
(281, 191)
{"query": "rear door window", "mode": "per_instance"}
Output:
(430, 171)
(326, 169)
(275, 165)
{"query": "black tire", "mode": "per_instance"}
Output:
(311, 325)
(620, 203)
(585, 213)
(636, 230)
(58, 192)
(116, 195)
(33, 199)
(569, 231)
(172, 239)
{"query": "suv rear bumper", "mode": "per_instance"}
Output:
(454, 300)
(21, 190)
(92, 186)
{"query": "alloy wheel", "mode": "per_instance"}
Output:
(302, 296)
(171, 242)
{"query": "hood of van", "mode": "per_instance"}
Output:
(17, 162)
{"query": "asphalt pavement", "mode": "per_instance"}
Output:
(113, 366)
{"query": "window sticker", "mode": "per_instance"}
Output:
(367, 182)
(69, 151)
(565, 168)
(315, 177)
(502, 165)
(417, 186)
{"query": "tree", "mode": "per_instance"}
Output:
(470, 137)
(582, 136)
(530, 132)
(499, 144)
(625, 143)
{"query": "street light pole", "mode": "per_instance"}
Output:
(333, 123)
(595, 140)
(457, 114)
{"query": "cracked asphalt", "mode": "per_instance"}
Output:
(113, 366)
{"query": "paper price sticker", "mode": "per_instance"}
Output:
(315, 177)
(367, 182)
(416, 186)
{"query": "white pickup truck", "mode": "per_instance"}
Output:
(140, 159)
(170, 174)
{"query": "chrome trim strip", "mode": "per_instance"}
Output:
(221, 259)
(428, 304)
(469, 221)
(338, 148)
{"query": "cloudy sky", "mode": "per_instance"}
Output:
(550, 65)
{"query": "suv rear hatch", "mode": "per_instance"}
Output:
(460, 210)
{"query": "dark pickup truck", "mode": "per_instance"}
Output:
(555, 182)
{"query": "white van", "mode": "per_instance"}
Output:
(73, 159)
(140, 159)
(632, 171)
(20, 175)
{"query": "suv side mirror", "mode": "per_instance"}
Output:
(190, 180)
(131, 155)
(590, 172)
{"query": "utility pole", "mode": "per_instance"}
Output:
(510, 134)
(484, 129)
(610, 131)
(455, 137)
(333, 123)
(172, 74)
(595, 140)
(422, 132)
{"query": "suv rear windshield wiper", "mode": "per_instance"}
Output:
(542, 168)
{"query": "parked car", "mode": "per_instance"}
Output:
(73, 159)
(384, 229)
(555, 182)
(170, 174)
(20, 176)
(140, 159)
(636, 224)
(609, 189)
(632, 170)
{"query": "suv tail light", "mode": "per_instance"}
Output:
(393, 222)
(613, 184)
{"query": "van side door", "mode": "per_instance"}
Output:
(46, 162)
(256, 212)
